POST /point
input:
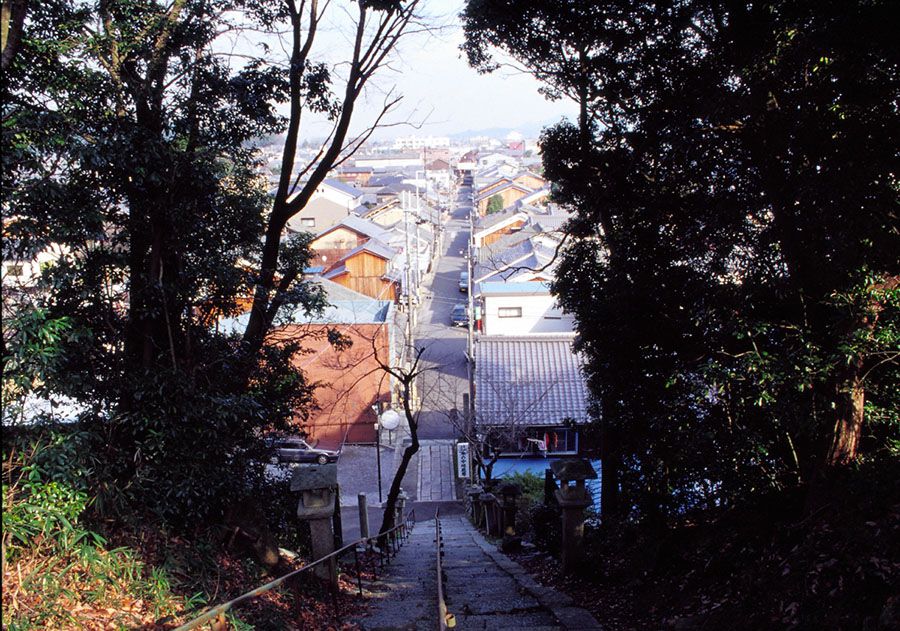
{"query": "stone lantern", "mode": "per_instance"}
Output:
(488, 503)
(474, 492)
(573, 498)
(318, 489)
(507, 494)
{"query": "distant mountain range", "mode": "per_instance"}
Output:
(529, 130)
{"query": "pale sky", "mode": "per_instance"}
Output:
(441, 91)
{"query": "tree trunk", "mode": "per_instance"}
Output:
(387, 521)
(12, 24)
(849, 417)
(609, 480)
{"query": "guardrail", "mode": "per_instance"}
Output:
(446, 620)
(391, 542)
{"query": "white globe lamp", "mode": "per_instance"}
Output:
(390, 420)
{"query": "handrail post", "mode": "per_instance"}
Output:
(388, 538)
(358, 570)
(335, 604)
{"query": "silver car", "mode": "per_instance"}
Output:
(298, 450)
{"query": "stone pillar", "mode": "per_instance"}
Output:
(507, 494)
(506, 497)
(572, 499)
(473, 491)
(572, 502)
(400, 506)
(317, 485)
(492, 521)
(363, 516)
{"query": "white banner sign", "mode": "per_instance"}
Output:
(462, 460)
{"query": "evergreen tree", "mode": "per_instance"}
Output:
(733, 263)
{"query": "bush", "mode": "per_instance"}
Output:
(535, 521)
(546, 528)
(56, 571)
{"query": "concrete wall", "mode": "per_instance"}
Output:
(338, 197)
(539, 315)
(322, 211)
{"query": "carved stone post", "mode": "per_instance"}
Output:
(572, 499)
(489, 504)
(507, 493)
(474, 491)
(401, 504)
(317, 484)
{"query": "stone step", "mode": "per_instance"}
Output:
(484, 588)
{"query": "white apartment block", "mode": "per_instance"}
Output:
(406, 143)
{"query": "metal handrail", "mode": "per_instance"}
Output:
(403, 529)
(446, 620)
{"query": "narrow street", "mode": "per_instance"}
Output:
(441, 389)
(431, 473)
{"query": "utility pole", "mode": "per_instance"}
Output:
(404, 197)
(418, 221)
(471, 318)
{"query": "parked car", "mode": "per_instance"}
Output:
(293, 449)
(464, 281)
(459, 315)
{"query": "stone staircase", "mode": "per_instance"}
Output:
(484, 588)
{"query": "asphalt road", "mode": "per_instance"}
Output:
(442, 387)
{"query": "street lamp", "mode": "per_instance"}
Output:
(389, 420)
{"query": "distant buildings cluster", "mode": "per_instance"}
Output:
(378, 223)
(530, 394)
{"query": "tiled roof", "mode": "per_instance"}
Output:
(491, 261)
(551, 224)
(528, 380)
(487, 253)
(343, 187)
(502, 188)
(525, 288)
(396, 189)
(539, 194)
(491, 220)
(384, 179)
(362, 226)
(335, 272)
(374, 246)
(500, 180)
(346, 306)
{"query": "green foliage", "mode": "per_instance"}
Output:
(32, 349)
(531, 485)
(495, 204)
(732, 263)
(535, 521)
(147, 189)
(63, 568)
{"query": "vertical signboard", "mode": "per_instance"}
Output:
(462, 461)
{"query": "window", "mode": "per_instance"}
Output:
(14, 269)
(308, 222)
(555, 440)
(509, 312)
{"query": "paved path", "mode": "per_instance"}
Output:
(435, 481)
(484, 588)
